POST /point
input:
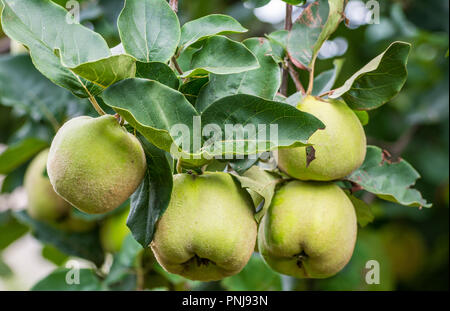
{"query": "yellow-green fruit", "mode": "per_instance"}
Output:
(95, 164)
(43, 203)
(339, 149)
(309, 230)
(208, 231)
(113, 232)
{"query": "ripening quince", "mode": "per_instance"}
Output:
(43, 203)
(339, 149)
(309, 230)
(208, 231)
(95, 164)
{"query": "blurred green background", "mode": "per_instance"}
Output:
(411, 245)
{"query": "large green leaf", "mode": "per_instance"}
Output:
(378, 81)
(149, 29)
(159, 72)
(107, 71)
(312, 28)
(23, 87)
(221, 55)
(152, 197)
(254, 120)
(207, 26)
(158, 112)
(57, 281)
(19, 153)
(41, 26)
(150, 107)
(80, 244)
(264, 81)
(388, 180)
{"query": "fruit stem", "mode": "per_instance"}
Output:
(174, 5)
(96, 106)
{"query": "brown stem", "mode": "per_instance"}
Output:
(288, 19)
(177, 66)
(295, 76)
(174, 5)
(288, 27)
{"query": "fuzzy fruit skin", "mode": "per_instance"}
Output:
(95, 164)
(43, 203)
(113, 232)
(208, 231)
(340, 147)
(315, 220)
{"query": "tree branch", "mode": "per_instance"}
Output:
(288, 27)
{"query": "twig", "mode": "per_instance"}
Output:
(288, 27)
(176, 65)
(296, 78)
(288, 19)
(174, 5)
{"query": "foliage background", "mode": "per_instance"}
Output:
(410, 244)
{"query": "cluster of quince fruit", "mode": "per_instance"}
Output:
(209, 231)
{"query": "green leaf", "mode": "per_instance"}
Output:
(249, 113)
(364, 213)
(150, 107)
(325, 80)
(221, 55)
(191, 89)
(159, 72)
(256, 3)
(10, 229)
(312, 28)
(363, 116)
(263, 82)
(41, 26)
(122, 275)
(261, 182)
(80, 244)
(295, 2)
(389, 181)
(242, 165)
(107, 71)
(19, 153)
(57, 281)
(256, 276)
(149, 30)
(53, 255)
(279, 40)
(23, 87)
(152, 197)
(377, 82)
(207, 26)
